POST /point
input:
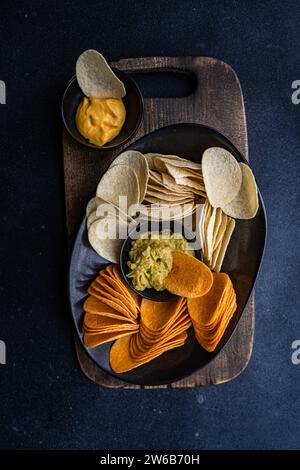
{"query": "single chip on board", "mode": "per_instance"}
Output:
(95, 77)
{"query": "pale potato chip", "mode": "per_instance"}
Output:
(158, 212)
(245, 204)
(106, 236)
(93, 204)
(197, 188)
(136, 161)
(222, 176)
(91, 218)
(102, 210)
(207, 214)
(175, 160)
(221, 230)
(210, 233)
(150, 160)
(165, 200)
(182, 171)
(119, 180)
(224, 244)
(218, 222)
(95, 77)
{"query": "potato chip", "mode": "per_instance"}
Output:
(109, 313)
(122, 361)
(103, 322)
(212, 312)
(205, 309)
(215, 231)
(245, 204)
(159, 161)
(104, 210)
(196, 186)
(100, 283)
(91, 341)
(188, 277)
(93, 204)
(138, 162)
(210, 232)
(224, 244)
(98, 307)
(106, 235)
(110, 300)
(157, 315)
(95, 77)
(182, 171)
(167, 200)
(119, 180)
(163, 326)
(159, 212)
(113, 276)
(222, 176)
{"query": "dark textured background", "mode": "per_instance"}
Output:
(45, 401)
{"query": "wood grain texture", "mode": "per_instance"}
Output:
(217, 102)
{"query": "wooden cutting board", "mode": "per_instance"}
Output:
(217, 102)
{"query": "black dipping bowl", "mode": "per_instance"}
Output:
(153, 226)
(133, 102)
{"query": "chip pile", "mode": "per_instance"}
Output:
(111, 310)
(107, 219)
(207, 299)
(216, 229)
(212, 312)
(174, 183)
(163, 326)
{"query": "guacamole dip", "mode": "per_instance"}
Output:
(150, 258)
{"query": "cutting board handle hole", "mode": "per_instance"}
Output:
(166, 84)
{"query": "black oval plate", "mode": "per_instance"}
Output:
(242, 262)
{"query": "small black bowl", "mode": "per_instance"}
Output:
(134, 106)
(153, 226)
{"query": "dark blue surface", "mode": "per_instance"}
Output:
(45, 401)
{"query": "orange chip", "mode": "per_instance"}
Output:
(121, 359)
(157, 315)
(96, 322)
(163, 327)
(91, 341)
(108, 299)
(212, 312)
(96, 306)
(188, 277)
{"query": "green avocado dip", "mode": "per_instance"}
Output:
(150, 258)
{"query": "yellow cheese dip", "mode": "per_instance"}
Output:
(150, 258)
(100, 120)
